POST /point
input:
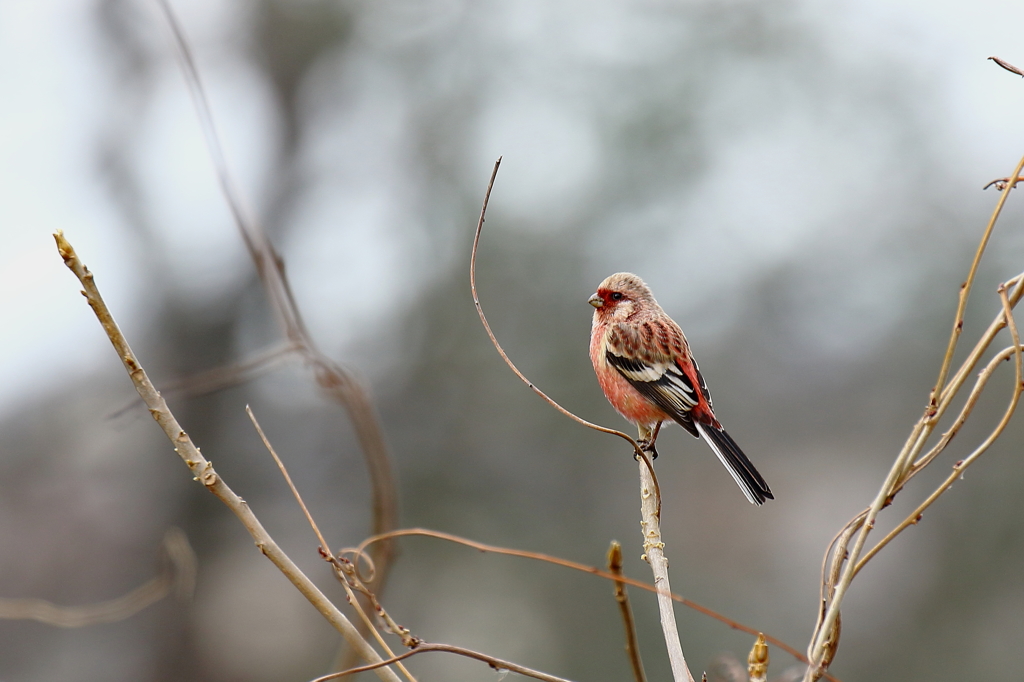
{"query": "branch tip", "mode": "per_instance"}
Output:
(1008, 66)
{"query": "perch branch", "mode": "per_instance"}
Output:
(654, 554)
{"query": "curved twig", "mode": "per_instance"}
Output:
(837, 549)
(425, 647)
(640, 452)
(1000, 183)
(577, 566)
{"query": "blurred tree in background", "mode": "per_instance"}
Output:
(788, 187)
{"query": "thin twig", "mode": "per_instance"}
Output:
(368, 625)
(997, 325)
(640, 453)
(965, 412)
(178, 576)
(965, 289)
(325, 548)
(203, 470)
(425, 647)
(288, 479)
(843, 538)
(626, 611)
(1000, 183)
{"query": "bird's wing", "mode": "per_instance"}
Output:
(653, 371)
(703, 384)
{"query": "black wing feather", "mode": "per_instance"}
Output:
(742, 470)
(672, 390)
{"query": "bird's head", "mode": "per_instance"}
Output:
(620, 296)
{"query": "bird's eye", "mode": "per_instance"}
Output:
(616, 296)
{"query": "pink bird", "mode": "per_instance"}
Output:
(648, 374)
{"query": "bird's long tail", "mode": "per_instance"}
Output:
(744, 473)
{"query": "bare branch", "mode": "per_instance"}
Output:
(203, 470)
(626, 611)
(654, 554)
(1008, 66)
(324, 547)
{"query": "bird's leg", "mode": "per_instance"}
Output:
(647, 438)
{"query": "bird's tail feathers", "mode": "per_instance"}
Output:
(743, 472)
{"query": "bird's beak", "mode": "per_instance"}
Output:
(595, 301)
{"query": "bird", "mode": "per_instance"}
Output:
(646, 370)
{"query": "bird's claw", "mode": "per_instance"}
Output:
(647, 446)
